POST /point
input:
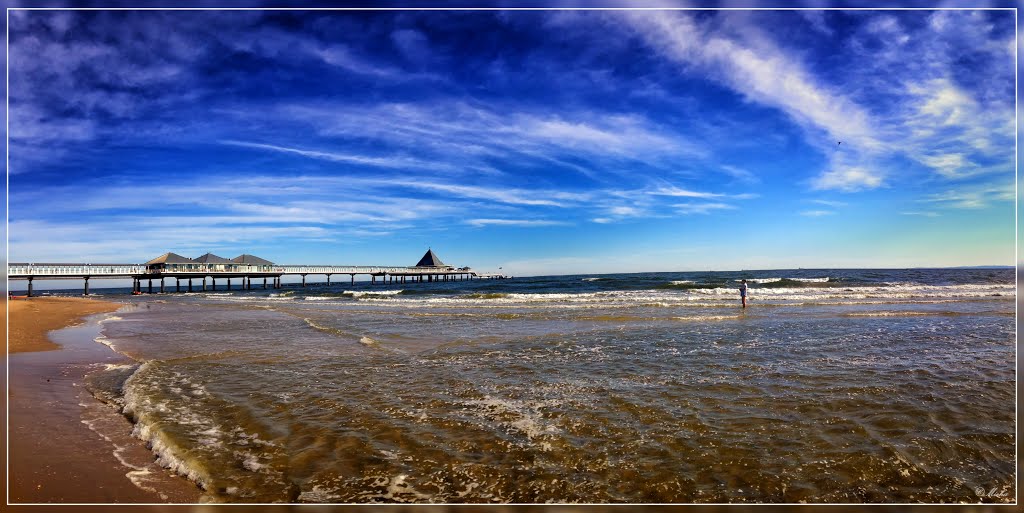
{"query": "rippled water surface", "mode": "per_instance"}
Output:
(833, 386)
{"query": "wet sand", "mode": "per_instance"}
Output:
(32, 319)
(65, 446)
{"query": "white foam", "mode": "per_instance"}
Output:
(251, 462)
(367, 341)
(681, 282)
(706, 318)
(518, 416)
(372, 293)
(760, 280)
(811, 280)
(892, 314)
(117, 366)
(318, 494)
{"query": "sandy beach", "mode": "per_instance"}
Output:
(65, 446)
(32, 319)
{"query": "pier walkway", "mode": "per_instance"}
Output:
(195, 272)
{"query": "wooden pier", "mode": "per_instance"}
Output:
(192, 275)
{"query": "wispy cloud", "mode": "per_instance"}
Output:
(701, 208)
(848, 179)
(972, 197)
(817, 213)
(514, 222)
(677, 192)
(829, 203)
(394, 162)
(754, 70)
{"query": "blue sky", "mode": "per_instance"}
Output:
(543, 142)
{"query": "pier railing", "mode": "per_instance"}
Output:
(364, 269)
(73, 270)
(22, 270)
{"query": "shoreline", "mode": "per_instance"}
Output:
(67, 446)
(31, 320)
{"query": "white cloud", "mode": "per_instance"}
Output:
(675, 191)
(977, 197)
(950, 165)
(740, 174)
(829, 203)
(513, 222)
(764, 74)
(701, 208)
(817, 213)
(388, 162)
(848, 179)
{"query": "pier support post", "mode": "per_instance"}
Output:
(177, 284)
(353, 278)
(213, 283)
(303, 280)
(328, 280)
(29, 286)
(86, 292)
(373, 279)
(150, 286)
(264, 283)
(190, 284)
(229, 283)
(161, 285)
(204, 283)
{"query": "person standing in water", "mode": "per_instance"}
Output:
(743, 293)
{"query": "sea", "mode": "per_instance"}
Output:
(832, 386)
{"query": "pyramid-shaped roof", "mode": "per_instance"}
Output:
(210, 258)
(430, 260)
(246, 258)
(169, 258)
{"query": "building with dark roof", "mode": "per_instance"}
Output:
(172, 262)
(250, 263)
(431, 260)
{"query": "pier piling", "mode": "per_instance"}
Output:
(86, 293)
(161, 285)
(150, 286)
(190, 284)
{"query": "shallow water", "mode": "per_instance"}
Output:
(833, 386)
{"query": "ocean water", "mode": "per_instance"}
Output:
(832, 386)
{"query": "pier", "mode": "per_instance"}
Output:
(203, 273)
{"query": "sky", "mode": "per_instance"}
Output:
(538, 142)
